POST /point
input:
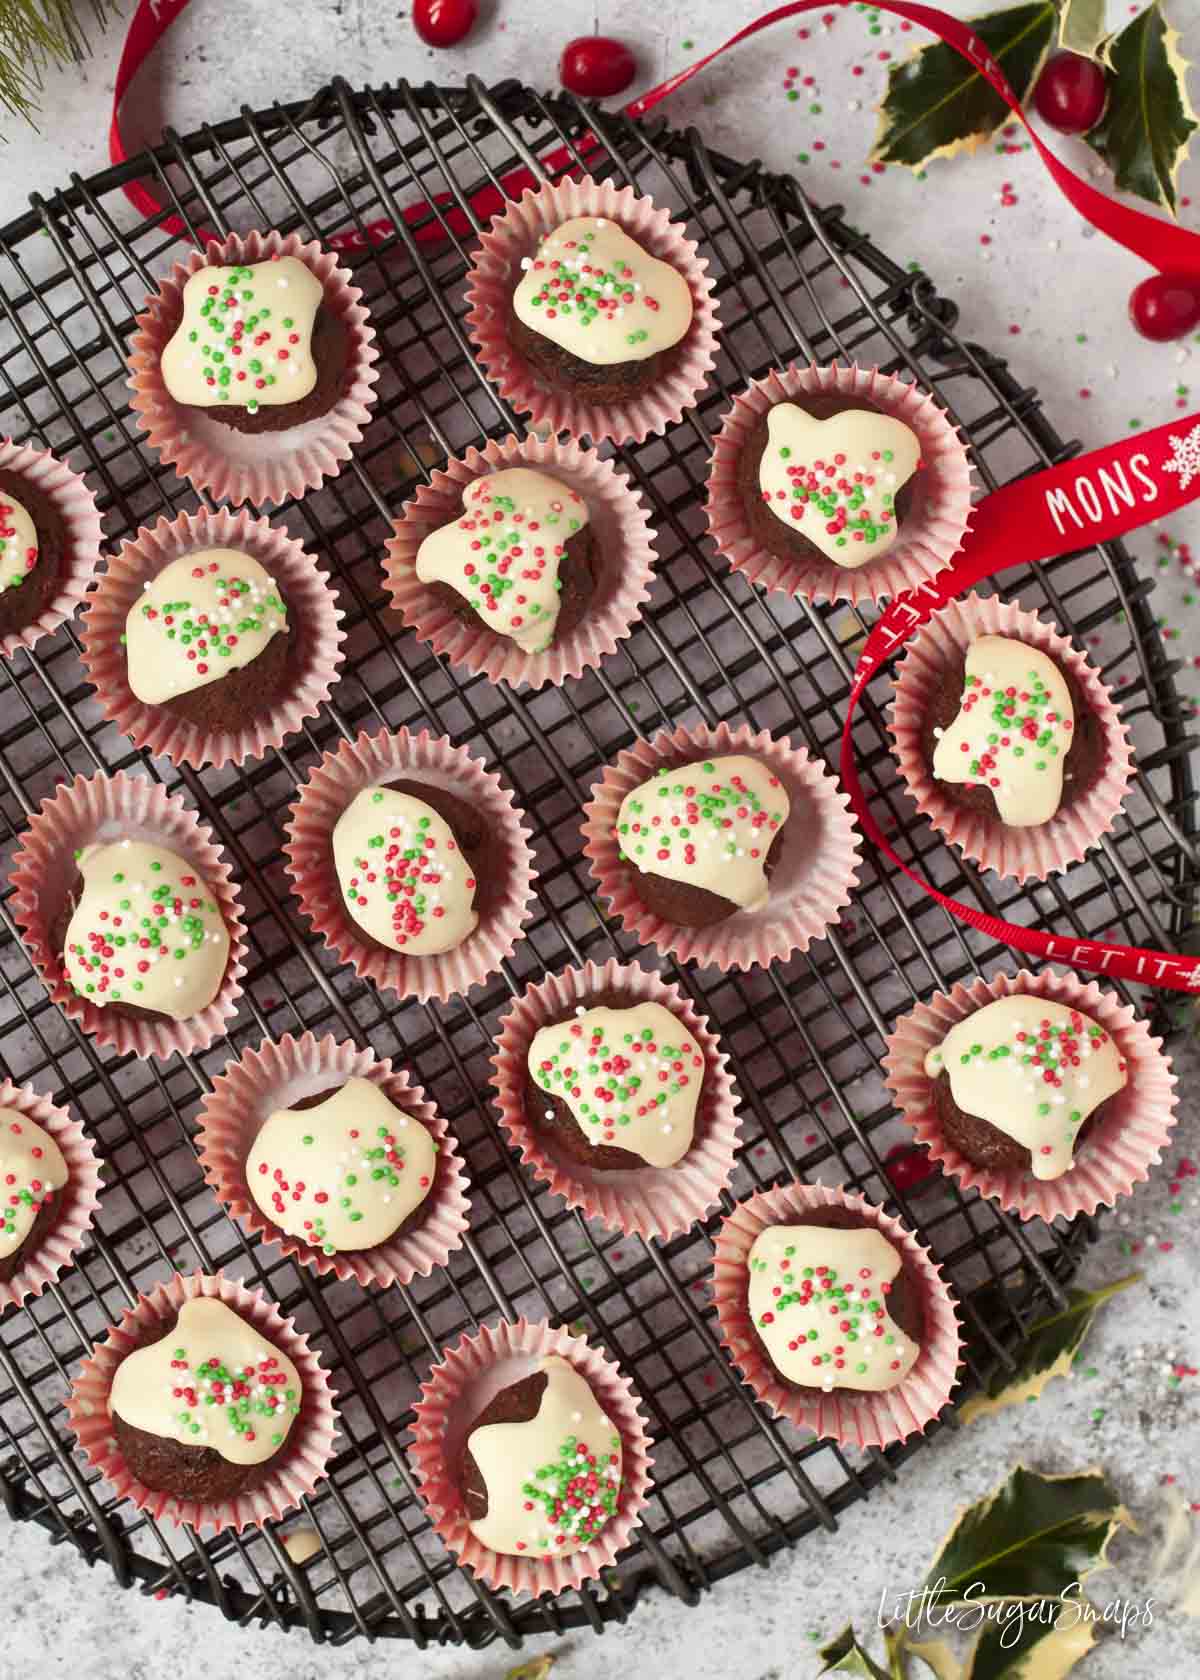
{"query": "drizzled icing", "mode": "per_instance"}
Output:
(595, 292)
(212, 1381)
(146, 931)
(18, 542)
(818, 1298)
(1032, 1068)
(204, 615)
(630, 1077)
(1013, 730)
(552, 1482)
(245, 339)
(503, 555)
(345, 1173)
(709, 824)
(835, 481)
(403, 878)
(32, 1170)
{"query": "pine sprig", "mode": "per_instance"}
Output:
(35, 34)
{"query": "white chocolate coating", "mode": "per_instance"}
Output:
(164, 1388)
(835, 481)
(18, 542)
(245, 339)
(818, 1299)
(32, 1171)
(344, 1174)
(630, 1077)
(403, 878)
(1013, 730)
(503, 554)
(1034, 1069)
(204, 615)
(146, 931)
(709, 824)
(534, 1470)
(595, 292)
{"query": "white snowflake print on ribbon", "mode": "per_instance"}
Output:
(1185, 458)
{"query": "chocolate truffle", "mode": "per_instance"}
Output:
(1018, 1081)
(833, 1304)
(207, 639)
(202, 1412)
(32, 1172)
(342, 1170)
(541, 1469)
(255, 349)
(618, 1085)
(33, 551)
(402, 856)
(518, 561)
(702, 839)
(144, 932)
(1008, 734)
(595, 312)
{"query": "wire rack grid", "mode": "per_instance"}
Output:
(731, 1487)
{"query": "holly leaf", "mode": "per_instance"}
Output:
(844, 1655)
(1050, 1351)
(936, 1655)
(1032, 1537)
(1081, 27)
(536, 1669)
(938, 104)
(1045, 1644)
(1143, 134)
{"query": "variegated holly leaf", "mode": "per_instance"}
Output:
(538, 1669)
(844, 1655)
(936, 1656)
(937, 103)
(1144, 132)
(1045, 1644)
(1050, 1351)
(1081, 26)
(1032, 1537)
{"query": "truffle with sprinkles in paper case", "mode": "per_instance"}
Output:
(460, 1386)
(648, 1201)
(39, 1261)
(496, 273)
(929, 538)
(622, 562)
(101, 809)
(1119, 1151)
(403, 874)
(286, 1481)
(1023, 853)
(75, 505)
(815, 871)
(854, 1418)
(278, 1077)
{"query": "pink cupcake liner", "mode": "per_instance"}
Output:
(278, 1075)
(270, 466)
(811, 883)
(467, 1379)
(858, 1419)
(1116, 1156)
(927, 543)
(624, 545)
(100, 808)
(77, 1201)
(648, 1201)
(1025, 854)
(497, 270)
(313, 619)
(503, 907)
(76, 506)
(310, 1440)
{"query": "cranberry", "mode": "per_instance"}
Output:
(1071, 93)
(444, 23)
(908, 1165)
(596, 66)
(1165, 306)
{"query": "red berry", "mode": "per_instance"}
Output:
(1165, 306)
(596, 66)
(908, 1166)
(1071, 93)
(443, 23)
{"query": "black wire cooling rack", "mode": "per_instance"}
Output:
(731, 1486)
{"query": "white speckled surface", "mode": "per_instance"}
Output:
(1126, 1409)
